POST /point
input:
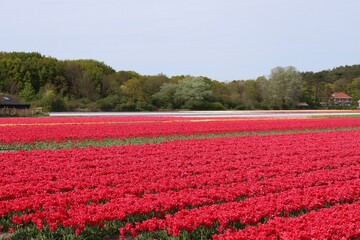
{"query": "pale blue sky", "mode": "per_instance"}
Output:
(220, 39)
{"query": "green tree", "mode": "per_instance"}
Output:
(189, 92)
(108, 103)
(262, 86)
(152, 84)
(354, 90)
(224, 93)
(84, 78)
(52, 102)
(285, 87)
(133, 90)
(10, 85)
(192, 89)
(165, 97)
(111, 85)
(27, 93)
(123, 76)
(341, 85)
(328, 89)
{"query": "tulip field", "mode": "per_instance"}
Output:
(179, 178)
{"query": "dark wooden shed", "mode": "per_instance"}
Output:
(10, 102)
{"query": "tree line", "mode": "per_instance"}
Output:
(90, 85)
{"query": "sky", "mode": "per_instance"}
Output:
(221, 39)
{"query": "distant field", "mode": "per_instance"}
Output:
(163, 177)
(227, 113)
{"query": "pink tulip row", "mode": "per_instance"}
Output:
(215, 162)
(338, 222)
(165, 201)
(80, 120)
(252, 210)
(99, 129)
(271, 175)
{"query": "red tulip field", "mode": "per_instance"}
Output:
(179, 178)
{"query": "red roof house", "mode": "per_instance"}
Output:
(340, 99)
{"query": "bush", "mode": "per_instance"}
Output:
(217, 106)
(129, 106)
(240, 107)
(275, 108)
(337, 107)
(262, 106)
(52, 102)
(194, 104)
(108, 104)
(143, 106)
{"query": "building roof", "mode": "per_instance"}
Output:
(9, 101)
(340, 95)
(302, 104)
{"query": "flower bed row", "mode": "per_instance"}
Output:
(338, 222)
(123, 128)
(180, 186)
(28, 121)
(252, 210)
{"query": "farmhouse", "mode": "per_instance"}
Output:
(11, 102)
(9, 106)
(340, 99)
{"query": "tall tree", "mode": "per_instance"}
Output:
(189, 92)
(341, 84)
(133, 89)
(152, 84)
(27, 92)
(192, 90)
(165, 97)
(285, 86)
(354, 90)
